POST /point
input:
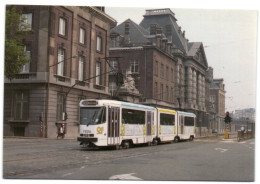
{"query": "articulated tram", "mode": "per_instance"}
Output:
(116, 123)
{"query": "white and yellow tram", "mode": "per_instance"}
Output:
(116, 123)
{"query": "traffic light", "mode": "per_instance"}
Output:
(227, 119)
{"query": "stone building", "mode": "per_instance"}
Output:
(217, 99)
(68, 47)
(172, 71)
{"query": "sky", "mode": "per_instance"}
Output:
(229, 38)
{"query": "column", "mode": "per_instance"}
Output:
(194, 87)
(190, 86)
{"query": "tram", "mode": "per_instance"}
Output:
(122, 124)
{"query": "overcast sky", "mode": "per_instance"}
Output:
(229, 38)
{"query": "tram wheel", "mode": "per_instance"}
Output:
(191, 138)
(176, 139)
(126, 144)
(155, 142)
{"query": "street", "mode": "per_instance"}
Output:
(207, 159)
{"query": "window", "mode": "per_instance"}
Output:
(212, 98)
(26, 66)
(134, 64)
(113, 42)
(171, 95)
(81, 68)
(162, 71)
(133, 117)
(112, 87)
(156, 68)
(172, 76)
(188, 121)
(167, 93)
(113, 66)
(98, 69)
(26, 22)
(21, 105)
(60, 106)
(161, 92)
(167, 73)
(167, 119)
(61, 58)
(92, 115)
(155, 90)
(62, 27)
(82, 33)
(99, 44)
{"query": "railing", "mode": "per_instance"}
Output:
(26, 76)
(29, 77)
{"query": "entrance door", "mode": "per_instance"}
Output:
(19, 131)
(113, 126)
(149, 123)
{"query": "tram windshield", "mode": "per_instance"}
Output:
(92, 115)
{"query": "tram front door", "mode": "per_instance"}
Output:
(113, 126)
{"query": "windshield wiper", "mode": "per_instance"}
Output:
(92, 119)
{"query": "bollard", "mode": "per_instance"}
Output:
(226, 134)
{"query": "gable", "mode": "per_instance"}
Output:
(196, 51)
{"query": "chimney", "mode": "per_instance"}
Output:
(153, 29)
(127, 32)
(179, 30)
(183, 34)
(158, 30)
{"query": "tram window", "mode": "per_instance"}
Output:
(92, 116)
(133, 117)
(167, 119)
(188, 121)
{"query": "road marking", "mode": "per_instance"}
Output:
(252, 142)
(124, 177)
(66, 174)
(83, 167)
(221, 150)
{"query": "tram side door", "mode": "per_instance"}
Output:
(113, 125)
(149, 123)
(181, 124)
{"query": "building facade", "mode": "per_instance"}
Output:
(217, 99)
(68, 47)
(145, 56)
(172, 70)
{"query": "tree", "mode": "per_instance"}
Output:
(15, 29)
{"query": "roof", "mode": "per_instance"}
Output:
(137, 33)
(216, 83)
(163, 19)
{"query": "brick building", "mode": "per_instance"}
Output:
(147, 56)
(172, 72)
(68, 47)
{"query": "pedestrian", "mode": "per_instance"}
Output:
(60, 132)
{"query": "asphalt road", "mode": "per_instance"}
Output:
(201, 160)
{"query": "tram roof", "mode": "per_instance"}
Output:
(123, 104)
(186, 113)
